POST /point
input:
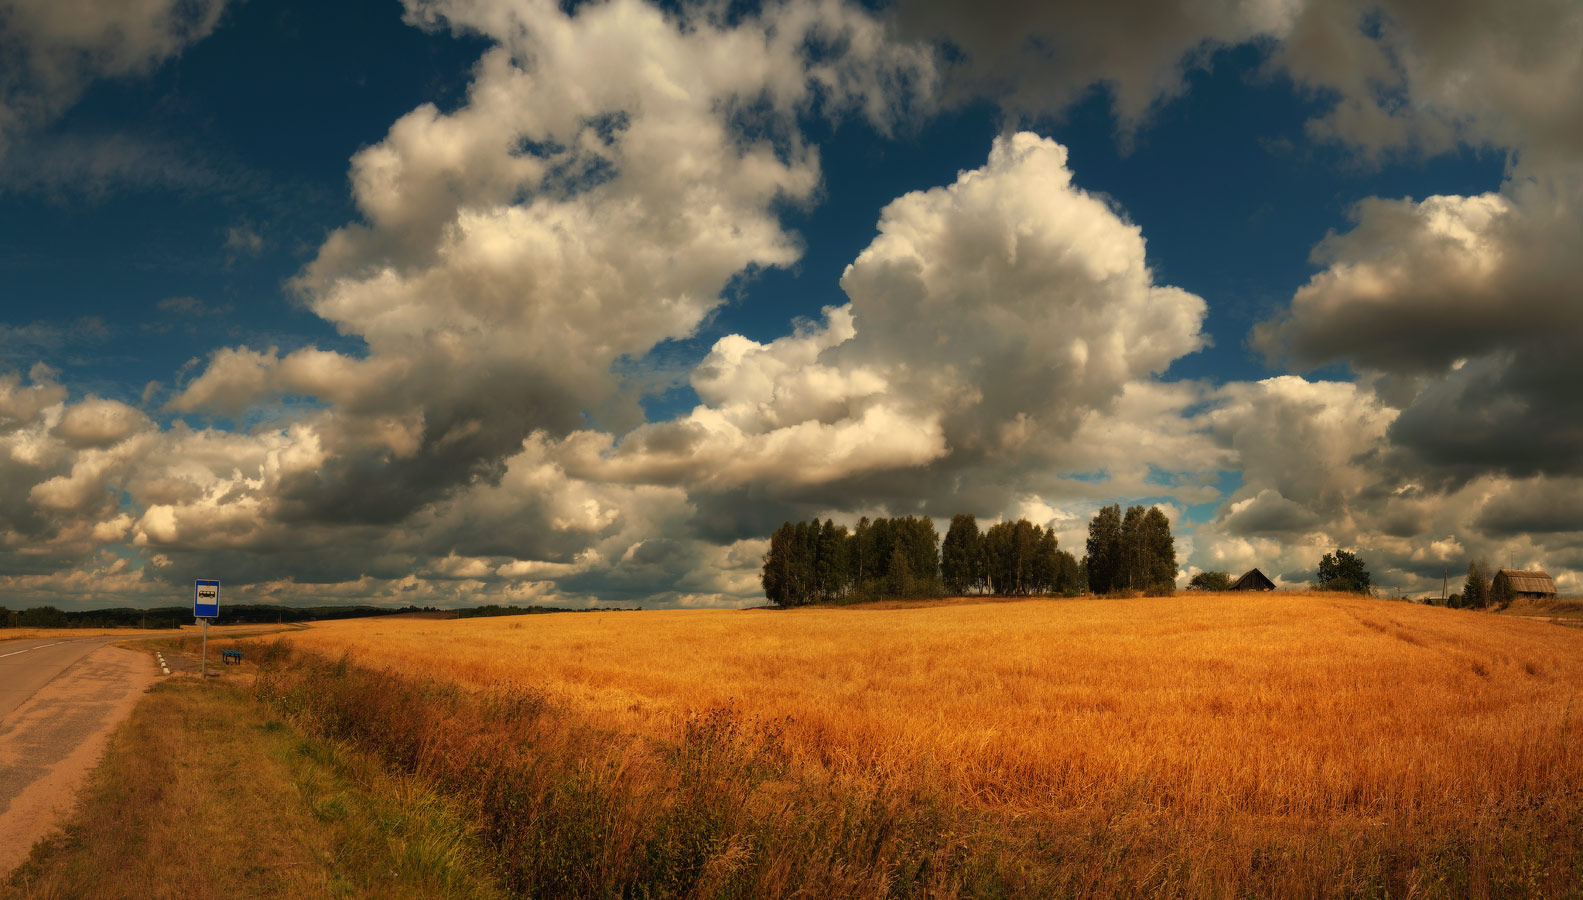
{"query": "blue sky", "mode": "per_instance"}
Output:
(246, 244)
(249, 130)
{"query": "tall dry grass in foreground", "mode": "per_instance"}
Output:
(1300, 744)
(201, 793)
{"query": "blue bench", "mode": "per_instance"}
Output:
(231, 656)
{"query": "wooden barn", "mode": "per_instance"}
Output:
(1253, 580)
(1532, 584)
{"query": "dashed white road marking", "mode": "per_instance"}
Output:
(39, 647)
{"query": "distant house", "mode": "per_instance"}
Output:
(1532, 584)
(1253, 580)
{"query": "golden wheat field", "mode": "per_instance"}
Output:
(21, 634)
(1284, 710)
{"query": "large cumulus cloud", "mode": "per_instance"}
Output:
(594, 197)
(1459, 316)
(1001, 331)
(610, 173)
(615, 170)
(1467, 309)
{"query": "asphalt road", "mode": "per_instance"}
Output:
(59, 701)
(26, 666)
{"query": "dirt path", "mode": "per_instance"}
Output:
(55, 734)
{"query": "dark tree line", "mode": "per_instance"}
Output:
(821, 562)
(1011, 559)
(176, 616)
(121, 617)
(1131, 552)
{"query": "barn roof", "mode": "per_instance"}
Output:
(1253, 580)
(1529, 581)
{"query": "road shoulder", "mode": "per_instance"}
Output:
(206, 793)
(50, 742)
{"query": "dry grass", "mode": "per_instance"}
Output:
(1334, 742)
(1563, 610)
(202, 794)
(20, 634)
(23, 634)
(1280, 704)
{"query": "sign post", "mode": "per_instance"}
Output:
(205, 606)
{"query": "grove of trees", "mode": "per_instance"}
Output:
(1012, 559)
(42, 617)
(822, 562)
(1131, 552)
(1343, 571)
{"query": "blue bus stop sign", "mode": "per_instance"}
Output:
(206, 600)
